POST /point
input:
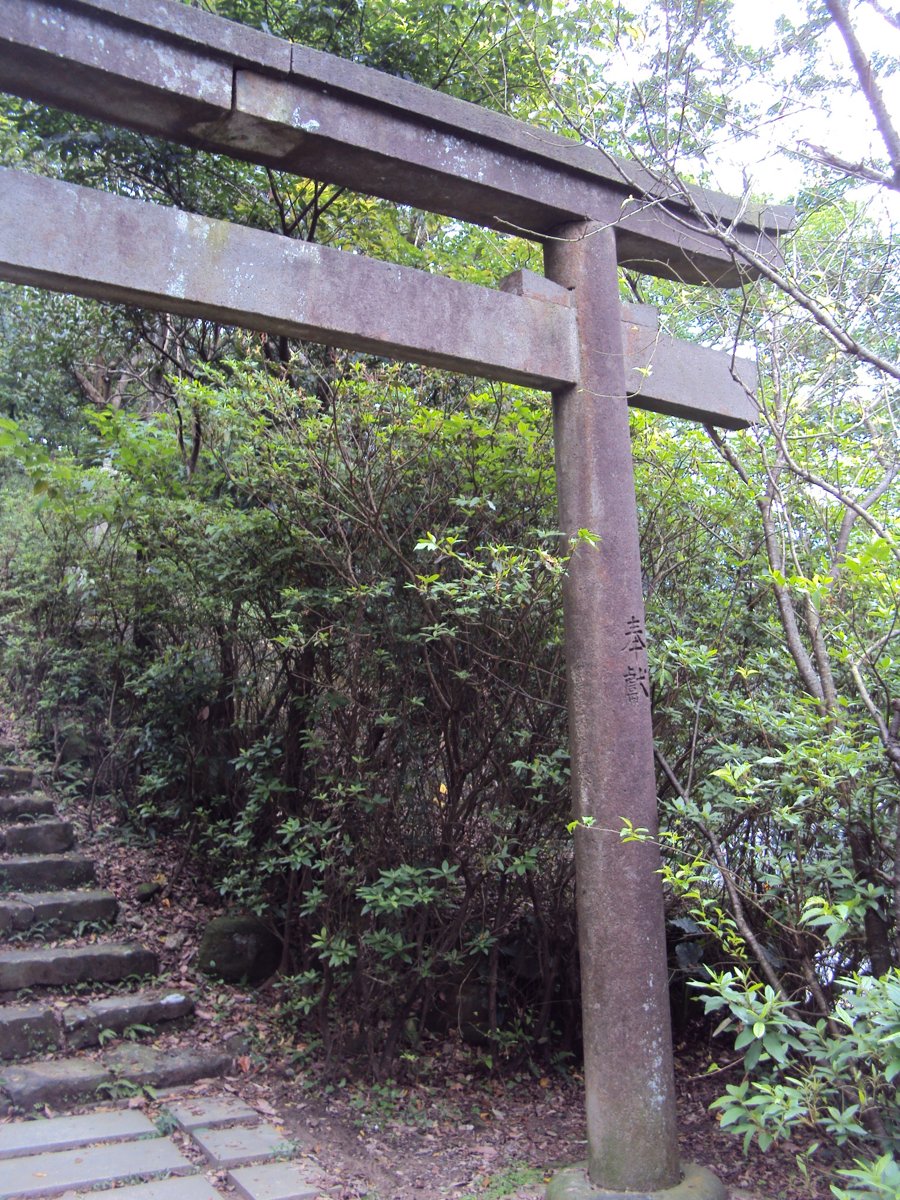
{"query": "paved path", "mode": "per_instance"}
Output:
(199, 1149)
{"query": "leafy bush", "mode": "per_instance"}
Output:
(338, 668)
(834, 1080)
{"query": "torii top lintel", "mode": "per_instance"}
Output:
(174, 71)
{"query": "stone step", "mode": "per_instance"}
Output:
(111, 1074)
(54, 1083)
(145, 1064)
(16, 779)
(106, 963)
(38, 837)
(26, 804)
(27, 1030)
(86, 1024)
(43, 872)
(64, 911)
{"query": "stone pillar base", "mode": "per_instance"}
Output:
(697, 1183)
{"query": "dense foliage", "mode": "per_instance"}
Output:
(304, 605)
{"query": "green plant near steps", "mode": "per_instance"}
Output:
(835, 1080)
(131, 1033)
(165, 1122)
(878, 1180)
(127, 1089)
(87, 928)
(134, 1033)
(39, 931)
(506, 1182)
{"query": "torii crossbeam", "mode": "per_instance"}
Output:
(166, 69)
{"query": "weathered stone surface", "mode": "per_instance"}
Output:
(66, 1133)
(15, 916)
(16, 779)
(572, 1183)
(191, 1187)
(62, 910)
(212, 1112)
(26, 1030)
(240, 1144)
(25, 804)
(273, 1181)
(236, 948)
(344, 123)
(159, 1068)
(48, 1174)
(61, 1081)
(46, 871)
(81, 964)
(39, 837)
(262, 281)
(84, 1023)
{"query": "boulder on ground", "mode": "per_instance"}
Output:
(145, 892)
(238, 947)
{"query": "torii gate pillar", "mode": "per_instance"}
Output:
(629, 1076)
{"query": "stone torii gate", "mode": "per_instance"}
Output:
(165, 69)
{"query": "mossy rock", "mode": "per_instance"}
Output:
(236, 948)
(145, 892)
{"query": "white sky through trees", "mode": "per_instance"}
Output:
(769, 158)
(837, 118)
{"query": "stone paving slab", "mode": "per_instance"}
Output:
(47, 1174)
(212, 1112)
(27, 1029)
(44, 871)
(239, 1144)
(187, 1187)
(273, 1181)
(61, 909)
(57, 1082)
(21, 1138)
(78, 964)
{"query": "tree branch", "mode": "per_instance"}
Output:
(868, 84)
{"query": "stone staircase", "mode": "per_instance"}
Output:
(56, 1048)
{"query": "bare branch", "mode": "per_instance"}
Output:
(861, 506)
(892, 18)
(869, 84)
(858, 170)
